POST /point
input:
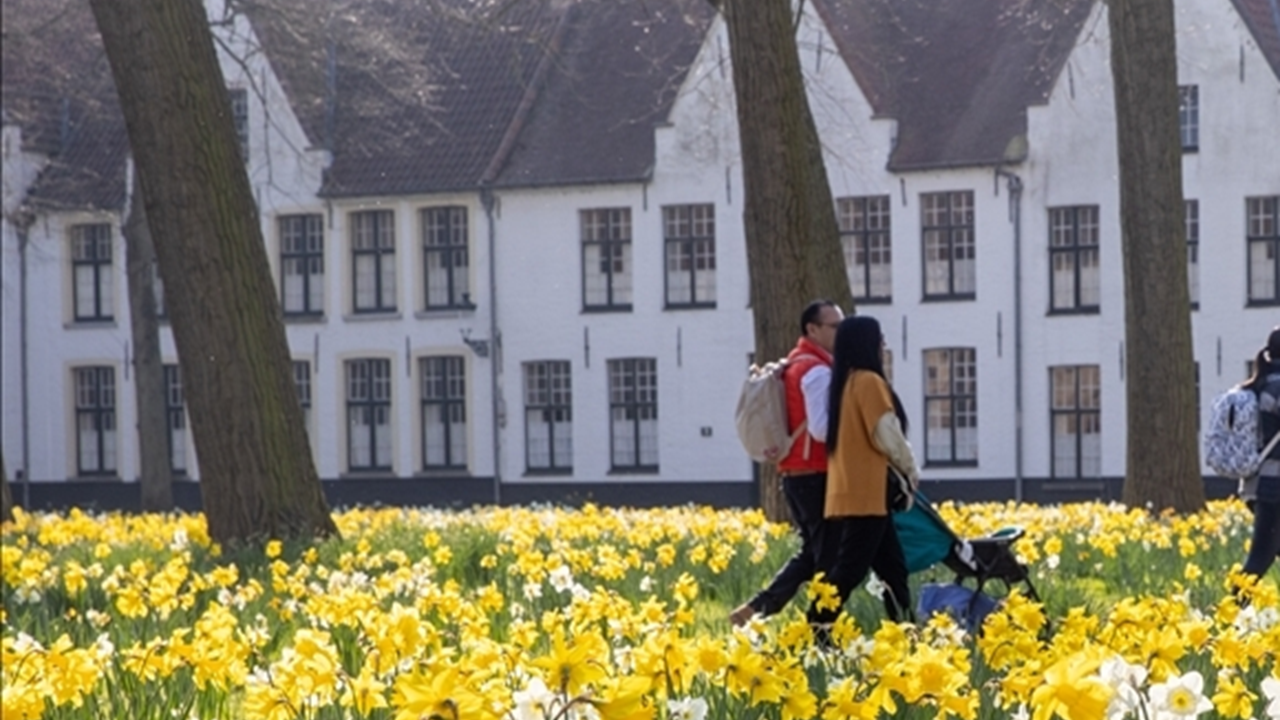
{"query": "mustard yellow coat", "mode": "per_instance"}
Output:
(856, 471)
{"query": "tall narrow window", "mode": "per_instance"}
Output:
(606, 258)
(368, 414)
(548, 416)
(373, 249)
(864, 234)
(239, 98)
(176, 418)
(1189, 117)
(1076, 420)
(444, 412)
(1264, 249)
(95, 420)
(950, 253)
(951, 406)
(1192, 208)
(1075, 277)
(689, 235)
(447, 264)
(302, 383)
(157, 289)
(633, 414)
(301, 264)
(91, 269)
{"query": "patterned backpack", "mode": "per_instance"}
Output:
(1231, 440)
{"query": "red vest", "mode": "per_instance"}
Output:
(807, 454)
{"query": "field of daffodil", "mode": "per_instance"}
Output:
(556, 614)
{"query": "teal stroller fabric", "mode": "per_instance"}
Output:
(926, 540)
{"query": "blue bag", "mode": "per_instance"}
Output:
(968, 607)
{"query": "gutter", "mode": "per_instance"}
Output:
(1015, 217)
(22, 223)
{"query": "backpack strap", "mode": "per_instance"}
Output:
(1271, 445)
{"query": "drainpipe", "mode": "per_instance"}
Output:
(495, 344)
(22, 223)
(1015, 217)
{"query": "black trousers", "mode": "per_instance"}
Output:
(1266, 538)
(806, 495)
(868, 543)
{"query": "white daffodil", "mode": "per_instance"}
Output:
(561, 578)
(1271, 689)
(533, 702)
(687, 709)
(875, 586)
(1179, 697)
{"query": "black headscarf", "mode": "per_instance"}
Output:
(857, 347)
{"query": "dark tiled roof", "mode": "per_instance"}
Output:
(438, 95)
(1263, 19)
(957, 75)
(57, 87)
(621, 66)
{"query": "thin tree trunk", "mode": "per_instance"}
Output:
(1163, 461)
(257, 475)
(6, 498)
(793, 243)
(156, 479)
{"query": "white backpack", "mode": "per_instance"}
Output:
(761, 417)
(1231, 440)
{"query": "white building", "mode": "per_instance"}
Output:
(512, 266)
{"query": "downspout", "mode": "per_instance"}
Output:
(22, 223)
(495, 342)
(505, 146)
(1015, 217)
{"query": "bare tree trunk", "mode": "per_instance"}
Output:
(257, 475)
(1163, 460)
(153, 428)
(6, 498)
(793, 243)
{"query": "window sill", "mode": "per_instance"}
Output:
(1190, 149)
(108, 324)
(873, 300)
(642, 470)
(372, 316)
(690, 306)
(943, 464)
(368, 474)
(548, 472)
(443, 472)
(443, 312)
(949, 298)
(1093, 310)
(305, 318)
(1252, 303)
(593, 309)
(106, 477)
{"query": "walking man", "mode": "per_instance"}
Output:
(807, 379)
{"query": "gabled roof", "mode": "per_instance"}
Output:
(437, 95)
(1263, 20)
(957, 75)
(57, 87)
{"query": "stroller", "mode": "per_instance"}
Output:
(927, 540)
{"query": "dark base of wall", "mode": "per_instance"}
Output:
(467, 492)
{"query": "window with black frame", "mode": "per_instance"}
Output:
(445, 257)
(368, 398)
(91, 268)
(1262, 216)
(444, 412)
(865, 237)
(95, 420)
(950, 249)
(175, 418)
(689, 238)
(633, 415)
(548, 417)
(1074, 273)
(1075, 414)
(951, 406)
(606, 259)
(301, 264)
(373, 267)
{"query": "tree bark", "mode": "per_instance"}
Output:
(156, 480)
(6, 498)
(257, 475)
(1162, 467)
(793, 242)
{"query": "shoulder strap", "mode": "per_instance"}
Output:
(1271, 445)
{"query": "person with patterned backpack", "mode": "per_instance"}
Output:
(1265, 383)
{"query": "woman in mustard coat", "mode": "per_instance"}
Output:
(865, 435)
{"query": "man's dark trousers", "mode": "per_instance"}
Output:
(806, 495)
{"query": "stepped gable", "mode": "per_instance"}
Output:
(1262, 17)
(957, 75)
(617, 75)
(57, 87)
